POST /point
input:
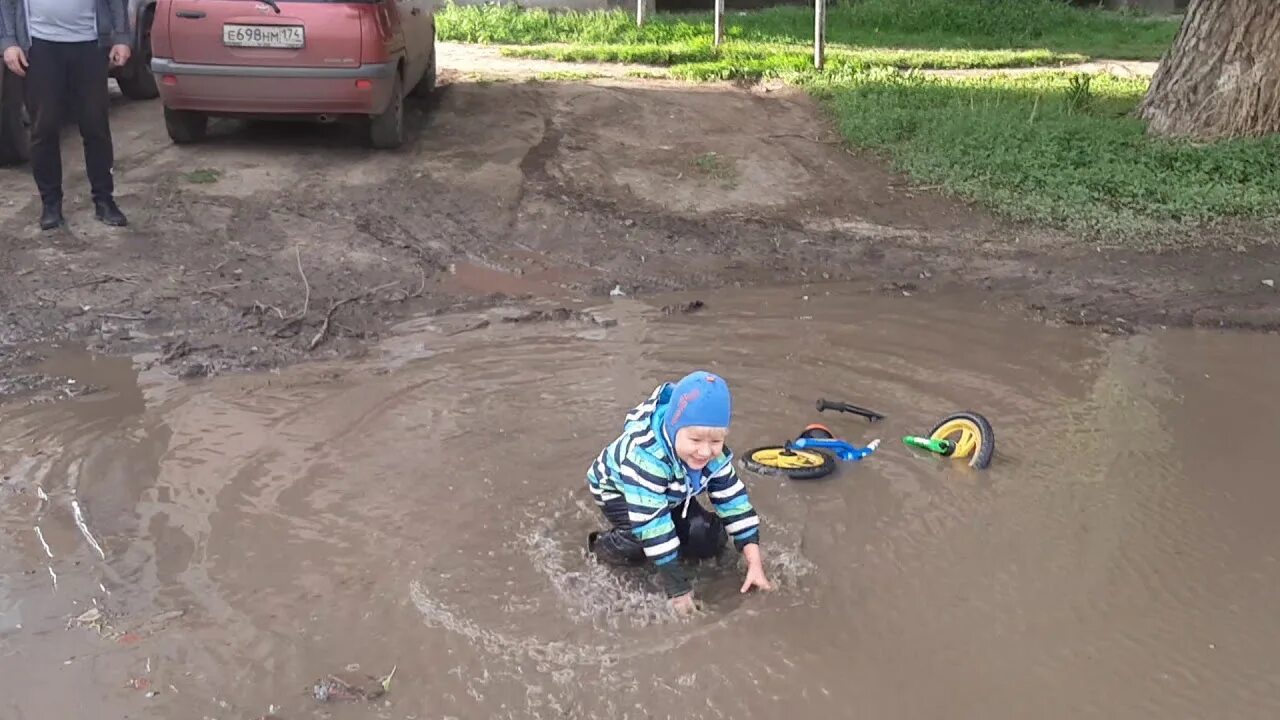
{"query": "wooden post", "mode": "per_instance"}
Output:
(640, 8)
(719, 22)
(819, 33)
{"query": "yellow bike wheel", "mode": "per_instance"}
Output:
(972, 436)
(795, 464)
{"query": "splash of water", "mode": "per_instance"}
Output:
(590, 591)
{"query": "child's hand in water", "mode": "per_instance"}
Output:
(755, 569)
(684, 605)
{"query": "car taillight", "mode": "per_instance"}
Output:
(169, 80)
(363, 84)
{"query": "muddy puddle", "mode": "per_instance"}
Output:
(213, 549)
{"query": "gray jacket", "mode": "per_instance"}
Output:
(113, 24)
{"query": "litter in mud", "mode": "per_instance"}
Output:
(351, 686)
(138, 683)
(683, 308)
(91, 618)
(560, 314)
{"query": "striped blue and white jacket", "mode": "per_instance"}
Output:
(641, 466)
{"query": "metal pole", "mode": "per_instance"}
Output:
(819, 33)
(719, 22)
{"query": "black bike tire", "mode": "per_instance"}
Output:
(986, 446)
(809, 473)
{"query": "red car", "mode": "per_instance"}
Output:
(317, 60)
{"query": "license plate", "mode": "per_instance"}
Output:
(263, 36)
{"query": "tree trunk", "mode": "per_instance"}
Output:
(1221, 78)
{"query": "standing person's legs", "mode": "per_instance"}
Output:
(88, 81)
(46, 87)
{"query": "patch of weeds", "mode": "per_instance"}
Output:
(1055, 149)
(204, 176)
(567, 75)
(485, 78)
(717, 167)
(1079, 94)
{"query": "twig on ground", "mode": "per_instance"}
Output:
(328, 317)
(479, 325)
(263, 307)
(102, 280)
(805, 137)
(118, 316)
(422, 287)
(324, 328)
(306, 301)
(294, 322)
(215, 288)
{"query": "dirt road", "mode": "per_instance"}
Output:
(270, 244)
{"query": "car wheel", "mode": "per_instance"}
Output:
(386, 130)
(185, 126)
(136, 80)
(427, 84)
(15, 124)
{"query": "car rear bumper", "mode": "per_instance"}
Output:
(257, 90)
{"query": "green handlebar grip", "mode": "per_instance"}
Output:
(941, 447)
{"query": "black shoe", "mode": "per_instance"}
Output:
(51, 216)
(107, 212)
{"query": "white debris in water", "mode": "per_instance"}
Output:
(591, 591)
(617, 291)
(40, 535)
(1269, 283)
(40, 494)
(84, 529)
(53, 575)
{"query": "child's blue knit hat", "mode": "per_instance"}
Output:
(700, 399)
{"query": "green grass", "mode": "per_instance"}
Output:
(701, 60)
(566, 75)
(715, 167)
(1057, 149)
(924, 25)
(203, 176)
(1052, 148)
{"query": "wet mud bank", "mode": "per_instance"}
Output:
(270, 244)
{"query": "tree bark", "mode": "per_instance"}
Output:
(1221, 78)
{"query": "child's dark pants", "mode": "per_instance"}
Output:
(702, 535)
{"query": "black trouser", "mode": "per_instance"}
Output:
(62, 79)
(702, 535)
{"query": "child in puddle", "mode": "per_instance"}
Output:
(646, 482)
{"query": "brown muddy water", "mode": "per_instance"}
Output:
(424, 509)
